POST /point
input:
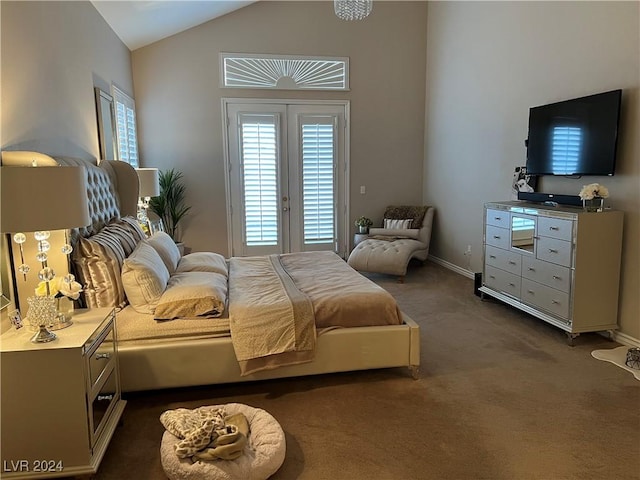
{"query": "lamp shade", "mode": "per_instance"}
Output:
(43, 198)
(149, 179)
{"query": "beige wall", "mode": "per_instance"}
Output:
(53, 54)
(178, 100)
(487, 63)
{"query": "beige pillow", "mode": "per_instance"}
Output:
(203, 262)
(167, 249)
(193, 294)
(144, 277)
(397, 224)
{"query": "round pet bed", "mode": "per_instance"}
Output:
(262, 457)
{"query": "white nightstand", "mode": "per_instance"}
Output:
(61, 400)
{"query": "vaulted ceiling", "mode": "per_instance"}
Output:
(138, 23)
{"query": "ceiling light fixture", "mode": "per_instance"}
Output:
(352, 9)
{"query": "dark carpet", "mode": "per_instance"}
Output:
(500, 396)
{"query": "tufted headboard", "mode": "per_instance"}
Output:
(112, 186)
(112, 193)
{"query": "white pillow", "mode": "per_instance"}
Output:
(397, 224)
(193, 294)
(203, 262)
(167, 249)
(144, 277)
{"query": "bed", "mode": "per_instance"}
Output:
(200, 349)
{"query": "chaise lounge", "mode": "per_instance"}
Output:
(406, 234)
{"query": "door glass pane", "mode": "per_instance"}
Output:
(318, 183)
(260, 170)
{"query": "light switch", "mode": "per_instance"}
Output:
(363, 189)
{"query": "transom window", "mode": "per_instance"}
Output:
(284, 72)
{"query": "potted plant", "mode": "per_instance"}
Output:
(170, 206)
(363, 224)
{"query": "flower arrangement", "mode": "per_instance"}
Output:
(59, 287)
(593, 190)
(363, 222)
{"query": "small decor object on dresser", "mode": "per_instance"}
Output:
(522, 182)
(593, 196)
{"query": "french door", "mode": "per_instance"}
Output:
(287, 176)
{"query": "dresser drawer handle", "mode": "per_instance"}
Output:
(512, 284)
(491, 276)
(531, 292)
(100, 356)
(553, 250)
(104, 397)
(492, 256)
(531, 269)
(497, 237)
(556, 277)
(511, 262)
(497, 218)
(554, 228)
(555, 302)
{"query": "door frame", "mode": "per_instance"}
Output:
(226, 101)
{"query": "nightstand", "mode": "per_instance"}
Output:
(61, 400)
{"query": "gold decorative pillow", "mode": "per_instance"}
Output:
(98, 260)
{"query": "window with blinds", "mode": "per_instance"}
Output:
(567, 143)
(260, 175)
(125, 112)
(318, 183)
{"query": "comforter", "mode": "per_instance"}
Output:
(277, 303)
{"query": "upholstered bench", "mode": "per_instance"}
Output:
(389, 250)
(262, 456)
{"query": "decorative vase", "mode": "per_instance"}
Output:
(595, 204)
(42, 313)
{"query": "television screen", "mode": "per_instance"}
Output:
(574, 137)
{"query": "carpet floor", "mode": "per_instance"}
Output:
(500, 396)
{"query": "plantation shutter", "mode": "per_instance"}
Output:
(318, 180)
(126, 127)
(259, 159)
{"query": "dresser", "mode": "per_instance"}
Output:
(559, 264)
(61, 400)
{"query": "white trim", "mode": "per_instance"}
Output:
(625, 339)
(459, 270)
(346, 104)
(283, 72)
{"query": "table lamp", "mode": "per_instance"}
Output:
(39, 199)
(149, 181)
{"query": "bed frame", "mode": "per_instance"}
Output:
(113, 192)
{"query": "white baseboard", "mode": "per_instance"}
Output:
(619, 337)
(625, 339)
(459, 270)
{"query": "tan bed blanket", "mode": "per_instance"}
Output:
(276, 303)
(271, 320)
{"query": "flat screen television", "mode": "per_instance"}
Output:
(574, 137)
